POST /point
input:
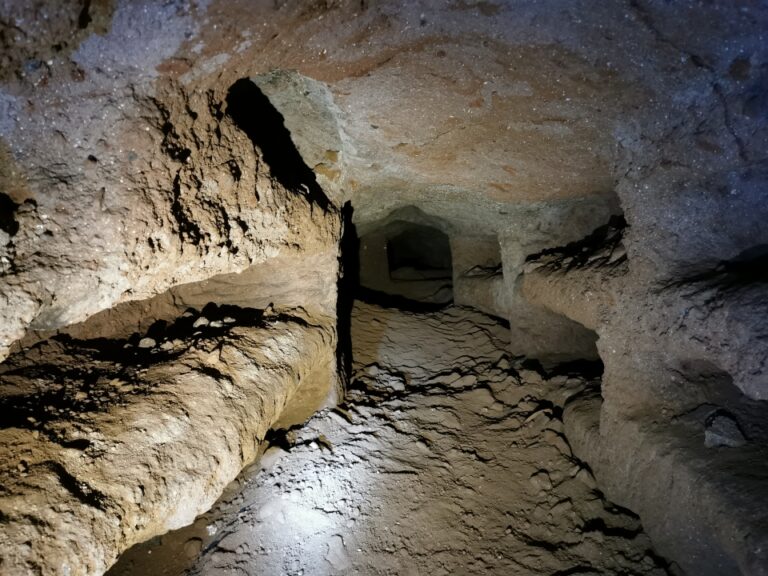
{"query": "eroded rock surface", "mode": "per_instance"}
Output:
(447, 458)
(105, 444)
(680, 417)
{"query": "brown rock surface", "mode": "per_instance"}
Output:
(670, 374)
(443, 460)
(133, 184)
(105, 445)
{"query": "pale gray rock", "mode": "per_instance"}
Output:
(722, 429)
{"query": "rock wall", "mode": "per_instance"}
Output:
(138, 166)
(676, 426)
(105, 446)
(131, 200)
(120, 183)
(681, 418)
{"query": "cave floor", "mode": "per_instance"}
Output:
(447, 458)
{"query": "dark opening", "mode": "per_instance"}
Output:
(8, 209)
(349, 282)
(255, 115)
(84, 18)
(404, 261)
(419, 253)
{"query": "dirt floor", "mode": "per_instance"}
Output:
(447, 458)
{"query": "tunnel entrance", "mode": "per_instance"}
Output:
(419, 253)
(407, 260)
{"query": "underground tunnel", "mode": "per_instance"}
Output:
(406, 260)
(342, 287)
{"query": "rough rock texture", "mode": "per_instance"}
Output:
(478, 279)
(105, 444)
(581, 281)
(129, 167)
(443, 460)
(148, 185)
(677, 428)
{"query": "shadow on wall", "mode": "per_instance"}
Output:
(349, 281)
(255, 115)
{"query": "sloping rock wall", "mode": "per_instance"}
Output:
(104, 445)
(678, 432)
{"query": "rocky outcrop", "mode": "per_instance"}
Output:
(119, 185)
(675, 426)
(194, 205)
(105, 444)
(582, 281)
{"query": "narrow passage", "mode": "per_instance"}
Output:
(448, 457)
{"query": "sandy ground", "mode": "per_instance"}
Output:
(448, 458)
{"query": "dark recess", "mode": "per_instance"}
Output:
(370, 296)
(590, 369)
(255, 115)
(403, 260)
(85, 15)
(607, 236)
(8, 208)
(424, 250)
(349, 282)
(749, 267)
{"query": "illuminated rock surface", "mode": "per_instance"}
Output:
(113, 445)
(592, 172)
(434, 465)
